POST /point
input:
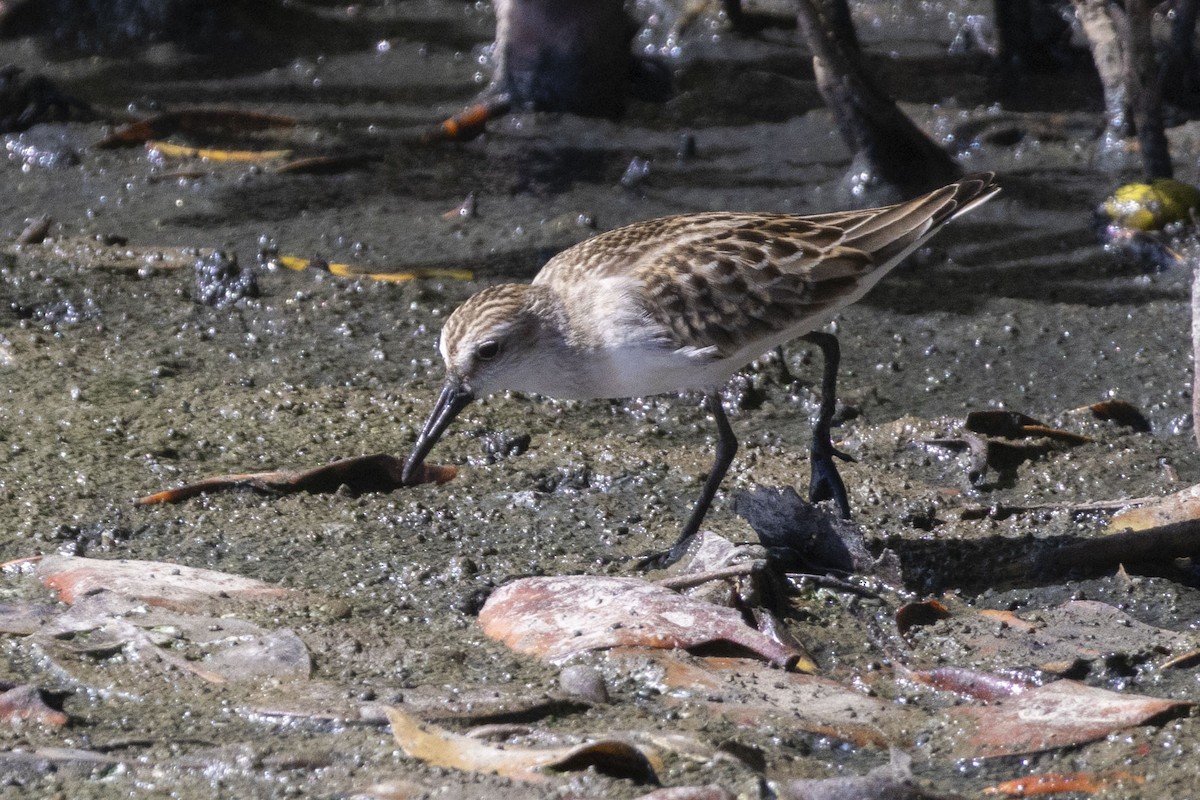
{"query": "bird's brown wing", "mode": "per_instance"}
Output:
(726, 279)
(747, 279)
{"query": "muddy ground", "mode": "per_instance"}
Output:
(116, 383)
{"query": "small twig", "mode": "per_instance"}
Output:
(1175, 540)
(20, 564)
(1196, 348)
(830, 582)
(1001, 511)
(1182, 661)
(679, 582)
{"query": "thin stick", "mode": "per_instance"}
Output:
(678, 582)
(1000, 510)
(1195, 346)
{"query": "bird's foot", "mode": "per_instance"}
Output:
(826, 483)
(664, 558)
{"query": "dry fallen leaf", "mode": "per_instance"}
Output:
(170, 150)
(753, 695)
(891, 780)
(157, 583)
(442, 748)
(1076, 633)
(28, 704)
(1059, 783)
(969, 683)
(690, 793)
(101, 624)
(555, 618)
(1060, 714)
(1178, 507)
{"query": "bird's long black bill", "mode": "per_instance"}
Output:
(453, 399)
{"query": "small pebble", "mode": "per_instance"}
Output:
(584, 682)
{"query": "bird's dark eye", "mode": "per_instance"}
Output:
(488, 350)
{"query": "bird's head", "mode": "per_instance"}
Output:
(489, 344)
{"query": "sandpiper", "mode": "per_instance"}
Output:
(683, 302)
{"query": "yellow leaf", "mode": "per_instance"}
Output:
(179, 151)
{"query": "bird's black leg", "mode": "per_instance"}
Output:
(826, 483)
(726, 449)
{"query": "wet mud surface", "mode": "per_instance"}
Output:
(116, 382)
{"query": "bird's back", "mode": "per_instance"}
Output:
(726, 281)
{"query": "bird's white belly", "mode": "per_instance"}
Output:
(623, 353)
(633, 371)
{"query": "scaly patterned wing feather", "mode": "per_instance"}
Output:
(724, 280)
(748, 279)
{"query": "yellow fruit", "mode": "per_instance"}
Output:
(1151, 206)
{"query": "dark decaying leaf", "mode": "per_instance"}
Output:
(35, 231)
(1122, 413)
(801, 533)
(363, 474)
(1002, 440)
(555, 618)
(326, 165)
(327, 705)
